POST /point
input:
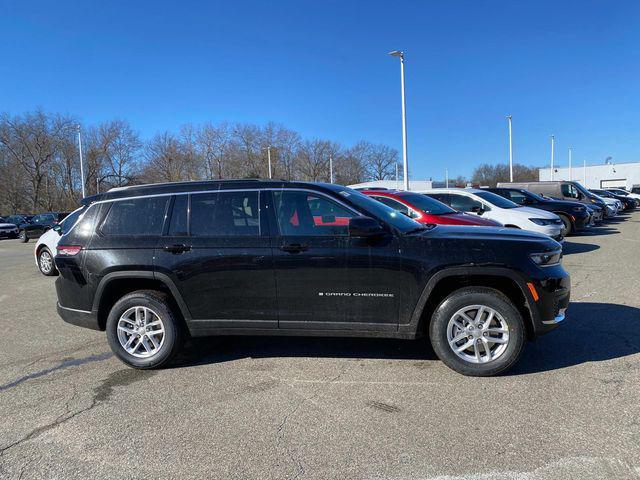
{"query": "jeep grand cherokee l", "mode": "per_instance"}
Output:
(152, 264)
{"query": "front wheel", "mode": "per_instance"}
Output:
(477, 331)
(567, 228)
(142, 330)
(24, 238)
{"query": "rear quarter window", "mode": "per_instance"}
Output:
(137, 216)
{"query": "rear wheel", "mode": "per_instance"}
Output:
(477, 331)
(45, 263)
(142, 330)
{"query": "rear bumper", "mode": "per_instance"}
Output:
(80, 318)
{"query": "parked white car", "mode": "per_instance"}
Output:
(494, 207)
(45, 248)
(614, 206)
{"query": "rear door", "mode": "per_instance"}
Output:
(216, 250)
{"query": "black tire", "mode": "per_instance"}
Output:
(568, 226)
(477, 296)
(173, 329)
(53, 271)
(24, 238)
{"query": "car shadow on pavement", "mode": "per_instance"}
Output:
(592, 332)
(206, 350)
(569, 248)
(601, 230)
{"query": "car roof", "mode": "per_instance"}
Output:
(474, 191)
(202, 186)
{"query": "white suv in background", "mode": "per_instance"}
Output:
(494, 207)
(46, 246)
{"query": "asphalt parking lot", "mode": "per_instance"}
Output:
(248, 407)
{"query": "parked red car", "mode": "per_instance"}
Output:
(425, 209)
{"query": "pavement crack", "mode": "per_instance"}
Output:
(61, 366)
(281, 430)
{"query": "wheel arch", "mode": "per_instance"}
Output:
(115, 285)
(447, 281)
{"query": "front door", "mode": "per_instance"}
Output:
(217, 252)
(326, 279)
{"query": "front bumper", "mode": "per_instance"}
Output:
(9, 233)
(554, 295)
(80, 318)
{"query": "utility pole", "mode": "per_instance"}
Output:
(570, 171)
(509, 117)
(405, 160)
(81, 161)
(553, 140)
(269, 158)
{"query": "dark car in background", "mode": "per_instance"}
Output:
(627, 202)
(37, 225)
(575, 217)
(562, 190)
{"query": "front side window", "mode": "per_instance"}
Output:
(137, 216)
(569, 191)
(305, 213)
(178, 223)
(232, 213)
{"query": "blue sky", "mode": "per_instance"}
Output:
(321, 68)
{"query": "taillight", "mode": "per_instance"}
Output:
(68, 250)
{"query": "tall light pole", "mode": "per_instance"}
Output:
(509, 117)
(397, 186)
(81, 162)
(269, 159)
(553, 145)
(330, 168)
(570, 171)
(446, 177)
(405, 161)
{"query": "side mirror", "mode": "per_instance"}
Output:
(57, 228)
(477, 209)
(365, 227)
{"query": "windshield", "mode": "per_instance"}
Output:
(379, 210)
(426, 204)
(496, 200)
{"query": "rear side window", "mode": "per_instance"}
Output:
(225, 214)
(463, 203)
(139, 216)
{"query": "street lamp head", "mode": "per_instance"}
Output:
(397, 53)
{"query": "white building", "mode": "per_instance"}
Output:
(597, 176)
(393, 184)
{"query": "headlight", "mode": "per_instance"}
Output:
(546, 259)
(542, 221)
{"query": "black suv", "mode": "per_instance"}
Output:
(152, 264)
(574, 217)
(33, 226)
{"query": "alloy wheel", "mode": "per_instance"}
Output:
(46, 262)
(140, 332)
(478, 334)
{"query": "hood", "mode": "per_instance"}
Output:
(489, 233)
(530, 211)
(563, 203)
(461, 218)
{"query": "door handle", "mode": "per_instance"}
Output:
(294, 248)
(181, 248)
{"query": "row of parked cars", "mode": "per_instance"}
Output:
(153, 264)
(556, 209)
(26, 227)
